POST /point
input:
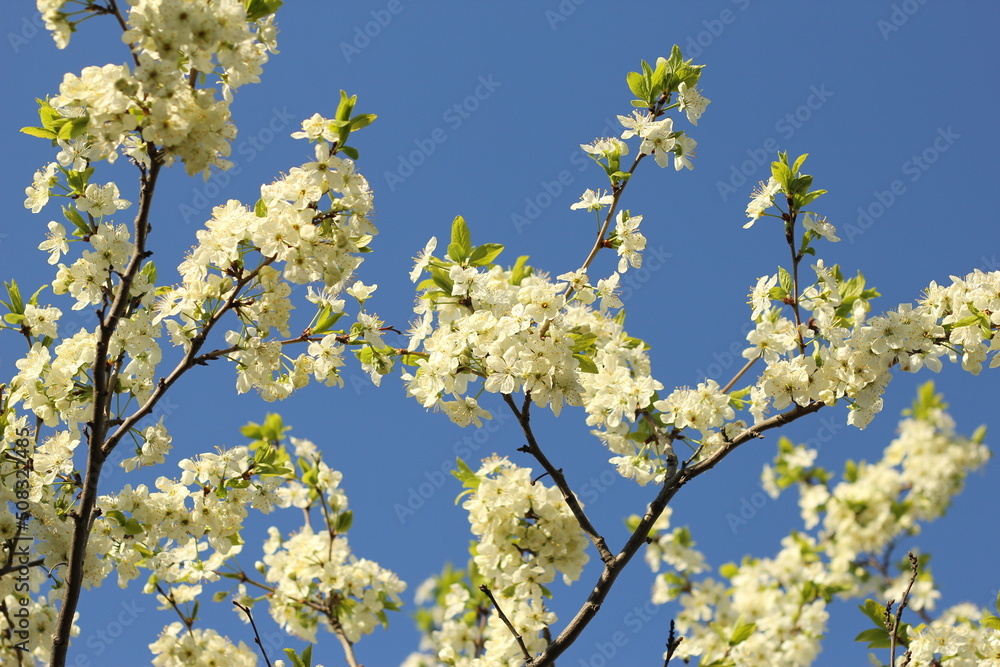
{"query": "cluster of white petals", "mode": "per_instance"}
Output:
(156, 102)
(523, 336)
(526, 535)
(774, 610)
(851, 357)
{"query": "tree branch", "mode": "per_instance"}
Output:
(671, 486)
(503, 617)
(892, 622)
(84, 516)
(256, 635)
(532, 448)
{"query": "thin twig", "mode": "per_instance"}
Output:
(256, 635)
(345, 643)
(187, 620)
(503, 617)
(524, 419)
(739, 374)
(892, 622)
(673, 641)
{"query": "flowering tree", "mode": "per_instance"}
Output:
(484, 325)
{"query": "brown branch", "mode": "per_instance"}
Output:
(345, 643)
(892, 622)
(188, 621)
(256, 635)
(673, 641)
(84, 516)
(670, 488)
(523, 418)
(189, 360)
(7, 569)
(503, 617)
(739, 374)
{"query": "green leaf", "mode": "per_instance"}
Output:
(345, 521)
(876, 637)
(810, 197)
(117, 516)
(16, 303)
(260, 209)
(484, 254)
(587, 364)
(325, 319)
(133, 527)
(798, 162)
(741, 632)
(48, 115)
(785, 279)
(461, 240)
(637, 84)
(362, 120)
(729, 570)
(350, 151)
(73, 216)
(273, 428)
(294, 657)
(40, 132)
(441, 279)
(465, 475)
(346, 106)
(874, 611)
(74, 127)
(520, 270)
(583, 342)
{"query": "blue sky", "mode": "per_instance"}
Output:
(482, 107)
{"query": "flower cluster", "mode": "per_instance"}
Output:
(313, 578)
(775, 609)
(518, 331)
(179, 647)
(850, 356)
(157, 102)
(526, 535)
(309, 226)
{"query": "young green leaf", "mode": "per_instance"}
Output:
(485, 254)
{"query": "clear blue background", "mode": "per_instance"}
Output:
(893, 75)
